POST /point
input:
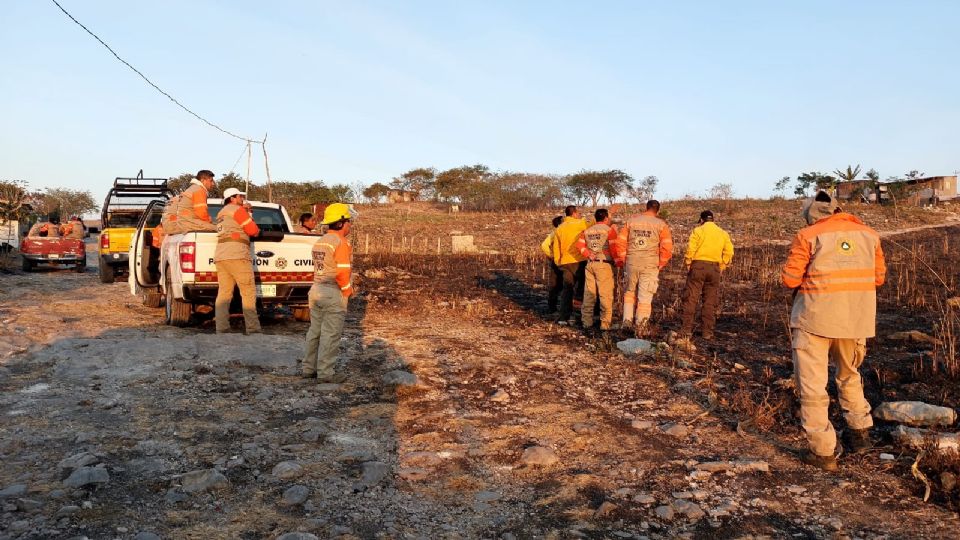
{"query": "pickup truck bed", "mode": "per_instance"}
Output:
(58, 251)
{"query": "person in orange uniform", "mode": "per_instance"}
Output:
(648, 245)
(834, 267)
(72, 229)
(234, 263)
(598, 244)
(328, 297)
(571, 263)
(187, 212)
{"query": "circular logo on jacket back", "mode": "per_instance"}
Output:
(845, 247)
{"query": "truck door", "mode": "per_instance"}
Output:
(144, 258)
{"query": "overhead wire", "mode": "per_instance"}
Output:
(151, 83)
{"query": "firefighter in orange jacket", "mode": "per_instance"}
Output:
(648, 246)
(332, 287)
(234, 263)
(187, 212)
(834, 267)
(598, 244)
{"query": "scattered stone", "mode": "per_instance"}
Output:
(682, 495)
(737, 466)
(174, 496)
(538, 456)
(605, 509)
(644, 498)
(641, 424)
(675, 430)
(66, 511)
(835, 523)
(914, 336)
(664, 512)
(285, 470)
(400, 378)
(796, 490)
(583, 428)
(298, 536)
(915, 413)
(373, 473)
(28, 505)
(76, 461)
(84, 476)
(690, 509)
(146, 535)
(500, 396)
(486, 496)
(413, 474)
(295, 495)
(920, 438)
(739, 366)
(887, 457)
(204, 480)
(635, 346)
(15, 490)
(948, 480)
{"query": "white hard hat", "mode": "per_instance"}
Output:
(230, 192)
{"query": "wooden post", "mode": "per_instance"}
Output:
(266, 165)
(366, 248)
(438, 245)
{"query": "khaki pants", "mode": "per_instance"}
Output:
(811, 357)
(571, 297)
(237, 273)
(703, 279)
(598, 282)
(328, 309)
(182, 225)
(642, 281)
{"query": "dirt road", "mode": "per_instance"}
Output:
(466, 415)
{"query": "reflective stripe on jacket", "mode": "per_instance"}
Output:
(332, 256)
(234, 229)
(836, 264)
(192, 203)
(598, 243)
(710, 243)
(646, 240)
(565, 241)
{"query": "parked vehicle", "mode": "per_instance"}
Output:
(122, 210)
(181, 275)
(40, 248)
(11, 232)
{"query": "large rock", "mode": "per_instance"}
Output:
(81, 459)
(295, 495)
(373, 473)
(400, 378)
(923, 438)
(736, 466)
(915, 413)
(84, 476)
(635, 346)
(915, 336)
(14, 490)
(539, 456)
(298, 536)
(203, 480)
(286, 470)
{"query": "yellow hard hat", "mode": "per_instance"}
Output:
(336, 212)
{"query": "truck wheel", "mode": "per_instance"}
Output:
(178, 311)
(151, 298)
(27, 265)
(81, 267)
(301, 314)
(107, 275)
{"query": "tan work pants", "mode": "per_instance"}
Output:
(184, 224)
(328, 311)
(237, 273)
(598, 282)
(812, 355)
(642, 281)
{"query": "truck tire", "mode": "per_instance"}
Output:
(151, 298)
(177, 311)
(107, 275)
(27, 265)
(81, 267)
(301, 314)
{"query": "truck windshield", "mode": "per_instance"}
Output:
(268, 219)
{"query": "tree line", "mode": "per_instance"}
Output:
(18, 201)
(804, 183)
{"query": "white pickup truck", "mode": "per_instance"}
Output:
(181, 275)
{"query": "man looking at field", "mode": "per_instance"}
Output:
(571, 263)
(187, 212)
(328, 296)
(556, 276)
(709, 252)
(234, 264)
(834, 267)
(648, 244)
(598, 245)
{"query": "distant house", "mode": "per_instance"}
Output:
(402, 196)
(919, 191)
(857, 190)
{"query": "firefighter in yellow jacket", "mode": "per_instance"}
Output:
(556, 276)
(571, 263)
(234, 263)
(709, 252)
(834, 267)
(332, 287)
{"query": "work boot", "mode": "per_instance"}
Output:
(858, 440)
(825, 463)
(336, 378)
(308, 375)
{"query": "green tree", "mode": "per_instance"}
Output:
(914, 175)
(14, 200)
(375, 193)
(463, 184)
(781, 185)
(61, 203)
(419, 180)
(848, 175)
(597, 184)
(814, 179)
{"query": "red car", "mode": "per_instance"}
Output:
(44, 245)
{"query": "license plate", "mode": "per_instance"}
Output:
(54, 256)
(266, 290)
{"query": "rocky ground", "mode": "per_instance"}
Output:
(467, 415)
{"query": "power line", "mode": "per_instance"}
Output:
(144, 77)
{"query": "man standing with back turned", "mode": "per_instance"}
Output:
(234, 263)
(648, 244)
(598, 244)
(328, 297)
(708, 255)
(834, 267)
(571, 263)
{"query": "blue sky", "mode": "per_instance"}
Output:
(355, 92)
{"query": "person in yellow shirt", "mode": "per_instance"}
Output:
(571, 263)
(556, 276)
(708, 254)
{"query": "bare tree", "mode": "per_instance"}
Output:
(643, 190)
(722, 191)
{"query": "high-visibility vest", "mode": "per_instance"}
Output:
(646, 239)
(836, 265)
(332, 264)
(234, 229)
(192, 203)
(598, 242)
